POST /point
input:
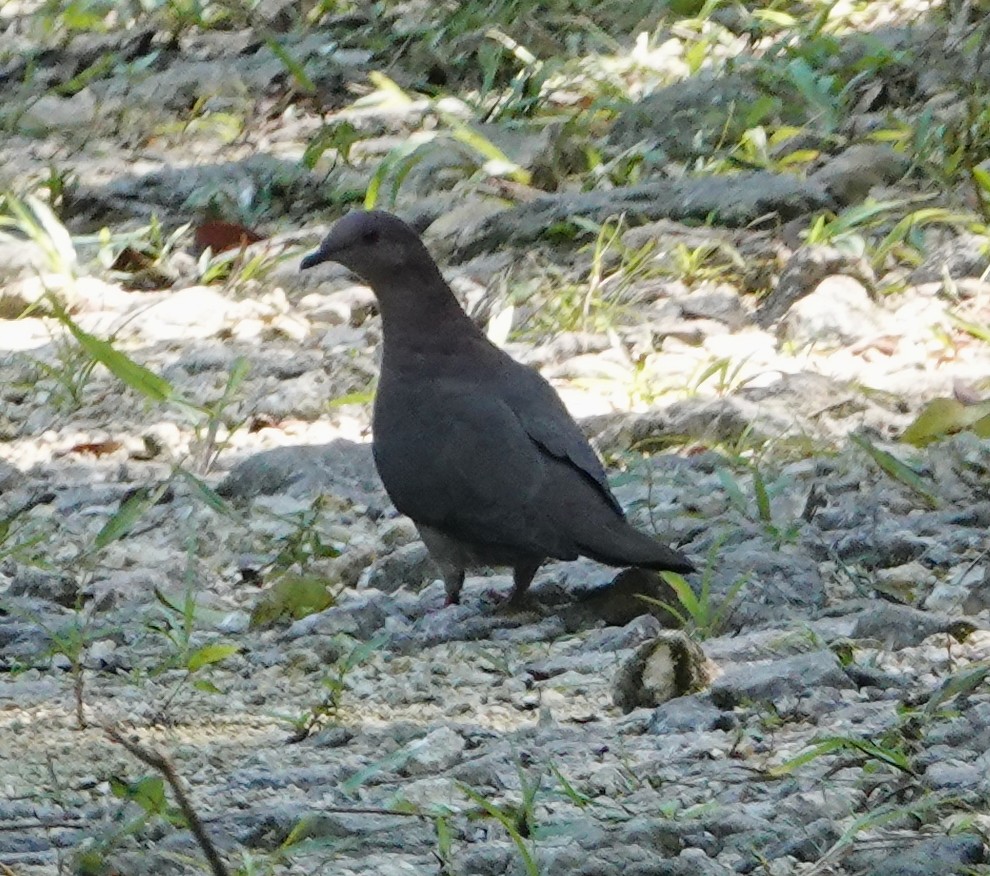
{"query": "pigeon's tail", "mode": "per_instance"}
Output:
(621, 545)
(592, 526)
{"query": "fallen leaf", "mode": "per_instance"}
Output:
(262, 421)
(886, 344)
(290, 598)
(96, 448)
(896, 469)
(131, 260)
(946, 416)
(219, 236)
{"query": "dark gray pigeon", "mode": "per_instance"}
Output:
(476, 448)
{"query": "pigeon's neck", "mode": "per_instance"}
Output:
(424, 313)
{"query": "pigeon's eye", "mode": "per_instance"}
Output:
(370, 236)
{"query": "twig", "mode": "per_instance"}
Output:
(368, 810)
(78, 690)
(160, 762)
(980, 557)
(10, 826)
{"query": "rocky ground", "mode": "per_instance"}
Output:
(200, 558)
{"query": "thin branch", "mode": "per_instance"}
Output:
(158, 761)
(11, 826)
(368, 810)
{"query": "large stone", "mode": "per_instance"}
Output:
(690, 714)
(11, 477)
(62, 589)
(733, 200)
(360, 615)
(839, 311)
(341, 467)
(959, 256)
(898, 626)
(808, 267)
(943, 855)
(695, 114)
(407, 566)
(439, 750)
(53, 113)
(849, 176)
(773, 681)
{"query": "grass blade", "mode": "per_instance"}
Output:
(477, 142)
(209, 654)
(305, 84)
(206, 493)
(506, 821)
(128, 514)
(898, 470)
(120, 365)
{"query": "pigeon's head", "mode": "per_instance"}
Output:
(375, 245)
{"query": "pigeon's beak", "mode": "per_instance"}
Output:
(323, 254)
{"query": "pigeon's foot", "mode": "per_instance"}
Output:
(516, 601)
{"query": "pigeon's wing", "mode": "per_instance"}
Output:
(458, 459)
(547, 422)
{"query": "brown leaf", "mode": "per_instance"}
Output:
(515, 191)
(132, 260)
(96, 448)
(885, 344)
(261, 421)
(220, 236)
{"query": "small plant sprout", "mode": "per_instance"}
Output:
(760, 508)
(335, 683)
(176, 623)
(728, 376)
(700, 613)
(33, 218)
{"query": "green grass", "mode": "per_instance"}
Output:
(700, 613)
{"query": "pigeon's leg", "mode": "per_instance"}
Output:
(522, 577)
(449, 557)
(453, 581)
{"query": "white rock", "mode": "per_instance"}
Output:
(54, 113)
(435, 752)
(948, 595)
(430, 792)
(18, 335)
(196, 312)
(235, 622)
(100, 653)
(838, 311)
